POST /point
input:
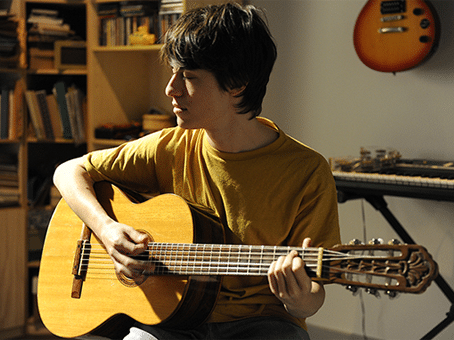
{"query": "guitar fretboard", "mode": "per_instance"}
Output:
(216, 259)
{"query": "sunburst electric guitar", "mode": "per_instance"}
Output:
(396, 35)
(79, 291)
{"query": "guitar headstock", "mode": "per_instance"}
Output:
(392, 267)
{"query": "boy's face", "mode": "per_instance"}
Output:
(198, 101)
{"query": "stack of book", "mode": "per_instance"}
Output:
(10, 48)
(117, 21)
(46, 28)
(12, 111)
(45, 22)
(169, 12)
(9, 181)
(59, 114)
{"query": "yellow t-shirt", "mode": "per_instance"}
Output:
(275, 195)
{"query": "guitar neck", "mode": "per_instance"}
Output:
(218, 259)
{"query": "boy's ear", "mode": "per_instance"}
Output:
(236, 92)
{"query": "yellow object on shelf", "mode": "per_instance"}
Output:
(142, 37)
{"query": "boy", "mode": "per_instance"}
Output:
(267, 188)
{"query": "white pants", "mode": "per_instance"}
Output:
(138, 334)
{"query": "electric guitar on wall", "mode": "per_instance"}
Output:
(396, 35)
(79, 291)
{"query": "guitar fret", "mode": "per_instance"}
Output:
(249, 261)
(261, 254)
(239, 258)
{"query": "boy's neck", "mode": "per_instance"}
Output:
(247, 136)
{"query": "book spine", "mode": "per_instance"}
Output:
(60, 94)
(4, 114)
(54, 115)
(45, 116)
(34, 114)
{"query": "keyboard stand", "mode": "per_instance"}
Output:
(379, 203)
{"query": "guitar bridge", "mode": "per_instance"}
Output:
(79, 271)
(385, 30)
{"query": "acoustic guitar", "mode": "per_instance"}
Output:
(396, 35)
(79, 291)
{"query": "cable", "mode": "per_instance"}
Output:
(361, 297)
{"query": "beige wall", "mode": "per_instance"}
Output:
(323, 95)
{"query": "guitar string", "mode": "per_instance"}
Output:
(102, 274)
(221, 251)
(91, 274)
(279, 250)
(175, 266)
(224, 258)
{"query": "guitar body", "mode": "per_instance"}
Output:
(396, 35)
(107, 301)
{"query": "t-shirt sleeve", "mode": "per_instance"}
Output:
(317, 217)
(130, 165)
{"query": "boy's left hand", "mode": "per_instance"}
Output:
(290, 283)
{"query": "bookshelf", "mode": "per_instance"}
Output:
(27, 161)
(119, 85)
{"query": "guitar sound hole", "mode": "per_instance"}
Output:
(128, 282)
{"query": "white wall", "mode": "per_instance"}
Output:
(323, 95)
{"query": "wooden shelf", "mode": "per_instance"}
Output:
(11, 70)
(53, 141)
(136, 48)
(68, 72)
(10, 141)
(54, 2)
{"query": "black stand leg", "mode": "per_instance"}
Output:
(379, 203)
(442, 325)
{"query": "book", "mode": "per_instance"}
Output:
(4, 114)
(42, 19)
(11, 118)
(9, 180)
(35, 115)
(45, 12)
(55, 118)
(9, 199)
(59, 91)
(16, 112)
(44, 112)
(74, 100)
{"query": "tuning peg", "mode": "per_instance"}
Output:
(373, 292)
(353, 289)
(376, 241)
(394, 242)
(391, 294)
(355, 242)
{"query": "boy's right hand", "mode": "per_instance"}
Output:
(123, 243)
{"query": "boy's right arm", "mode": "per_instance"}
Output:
(121, 241)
